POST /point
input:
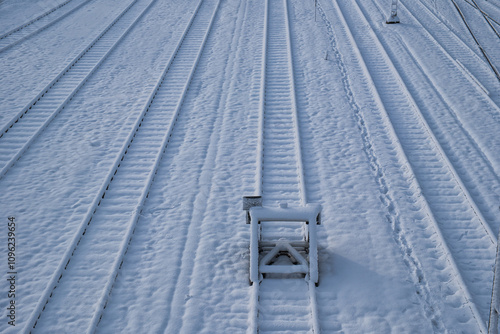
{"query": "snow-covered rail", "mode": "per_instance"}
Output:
(489, 20)
(435, 109)
(456, 46)
(280, 304)
(40, 23)
(105, 234)
(487, 15)
(467, 23)
(22, 130)
(452, 209)
(25, 24)
(493, 10)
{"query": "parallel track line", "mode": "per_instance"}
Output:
(26, 126)
(451, 43)
(13, 30)
(280, 304)
(462, 144)
(403, 114)
(476, 40)
(132, 203)
(35, 26)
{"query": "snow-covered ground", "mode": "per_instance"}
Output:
(132, 129)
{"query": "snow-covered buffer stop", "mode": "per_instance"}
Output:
(283, 240)
(394, 13)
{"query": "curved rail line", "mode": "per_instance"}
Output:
(110, 223)
(486, 17)
(22, 130)
(483, 51)
(44, 21)
(474, 5)
(455, 213)
(465, 154)
(387, 197)
(447, 40)
(431, 20)
(280, 175)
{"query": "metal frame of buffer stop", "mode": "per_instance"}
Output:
(283, 241)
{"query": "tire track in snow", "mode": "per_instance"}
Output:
(39, 24)
(24, 128)
(124, 198)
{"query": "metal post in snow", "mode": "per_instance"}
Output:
(495, 294)
(394, 13)
(315, 5)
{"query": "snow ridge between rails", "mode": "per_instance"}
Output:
(131, 228)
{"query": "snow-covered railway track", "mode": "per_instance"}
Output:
(445, 35)
(460, 48)
(281, 305)
(480, 29)
(466, 156)
(486, 9)
(492, 6)
(456, 215)
(40, 23)
(39, 17)
(19, 133)
(93, 259)
(479, 7)
(281, 178)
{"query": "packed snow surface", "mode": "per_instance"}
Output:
(131, 130)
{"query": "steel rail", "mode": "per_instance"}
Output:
(483, 12)
(130, 229)
(486, 17)
(58, 274)
(254, 312)
(17, 119)
(483, 51)
(23, 38)
(451, 260)
(33, 20)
